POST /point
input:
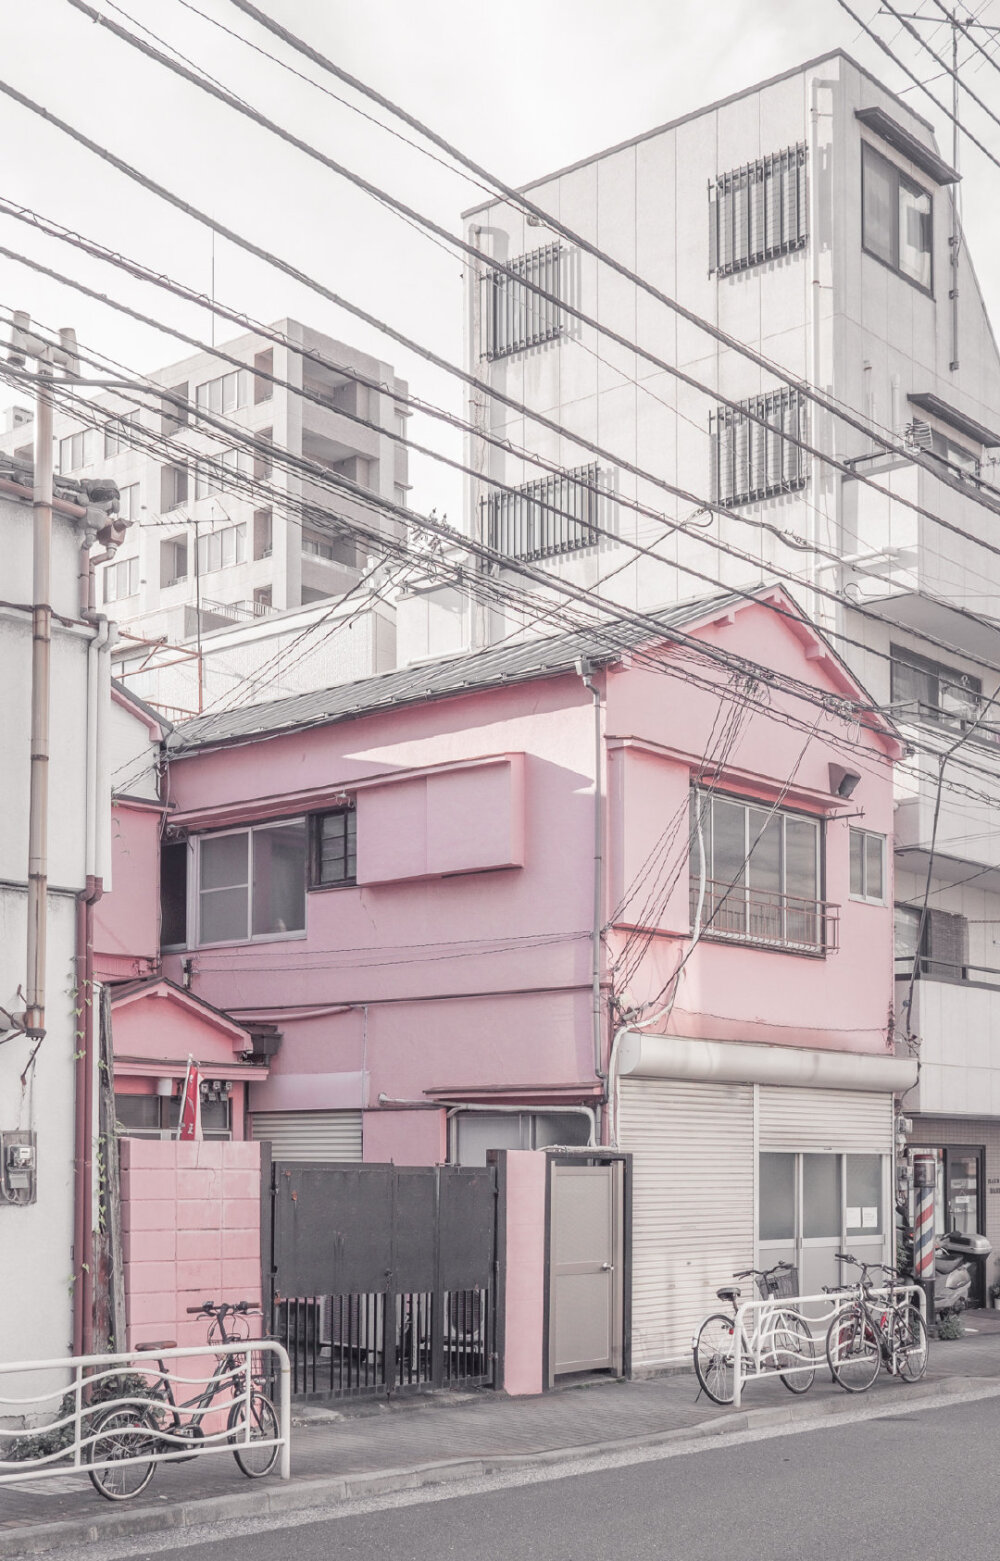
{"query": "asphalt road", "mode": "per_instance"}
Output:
(924, 1483)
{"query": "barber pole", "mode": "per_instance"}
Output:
(924, 1189)
(189, 1120)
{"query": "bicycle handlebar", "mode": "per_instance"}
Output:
(221, 1308)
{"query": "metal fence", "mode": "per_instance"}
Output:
(88, 1387)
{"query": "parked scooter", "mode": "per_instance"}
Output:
(952, 1270)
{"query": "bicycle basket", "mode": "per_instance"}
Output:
(782, 1285)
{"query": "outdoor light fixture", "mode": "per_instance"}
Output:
(165, 1087)
(843, 783)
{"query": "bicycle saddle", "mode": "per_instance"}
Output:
(729, 1293)
(158, 1344)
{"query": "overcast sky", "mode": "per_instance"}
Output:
(525, 87)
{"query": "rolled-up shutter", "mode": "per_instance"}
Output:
(847, 1122)
(692, 1204)
(310, 1135)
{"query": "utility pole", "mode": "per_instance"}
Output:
(25, 344)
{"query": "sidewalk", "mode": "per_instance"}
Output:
(339, 1455)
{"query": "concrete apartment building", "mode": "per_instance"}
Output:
(812, 218)
(227, 531)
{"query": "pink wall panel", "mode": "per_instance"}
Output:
(405, 1137)
(458, 821)
(127, 918)
(524, 1297)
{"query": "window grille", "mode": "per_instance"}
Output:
(517, 316)
(753, 461)
(554, 515)
(758, 211)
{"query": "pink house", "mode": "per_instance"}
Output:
(624, 890)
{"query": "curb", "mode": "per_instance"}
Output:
(320, 1492)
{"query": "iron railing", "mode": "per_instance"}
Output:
(960, 972)
(543, 519)
(758, 212)
(516, 315)
(755, 460)
(742, 914)
(378, 1344)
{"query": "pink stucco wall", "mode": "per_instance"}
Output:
(524, 1293)
(191, 1232)
(127, 917)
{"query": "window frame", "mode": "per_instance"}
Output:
(904, 180)
(315, 849)
(864, 835)
(826, 914)
(517, 318)
(773, 465)
(195, 889)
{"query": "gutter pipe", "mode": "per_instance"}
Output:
(585, 673)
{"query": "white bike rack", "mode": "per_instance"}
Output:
(77, 1373)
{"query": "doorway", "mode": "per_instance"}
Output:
(810, 1206)
(587, 1262)
(960, 1197)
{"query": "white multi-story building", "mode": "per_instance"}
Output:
(812, 218)
(229, 530)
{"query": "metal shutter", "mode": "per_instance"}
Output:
(692, 1204)
(847, 1121)
(310, 1135)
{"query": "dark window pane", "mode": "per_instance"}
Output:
(279, 878)
(173, 894)
(880, 182)
(857, 862)
(138, 1113)
(907, 926)
(864, 1195)
(765, 863)
(224, 861)
(820, 1195)
(873, 867)
(337, 847)
(801, 858)
(223, 916)
(777, 1196)
(915, 234)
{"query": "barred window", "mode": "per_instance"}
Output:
(753, 462)
(556, 514)
(516, 315)
(758, 211)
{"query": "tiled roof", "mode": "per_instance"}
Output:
(449, 675)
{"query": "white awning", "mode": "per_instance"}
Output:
(735, 1062)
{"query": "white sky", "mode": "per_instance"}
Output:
(525, 86)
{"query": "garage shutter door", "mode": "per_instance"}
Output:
(692, 1204)
(848, 1121)
(310, 1135)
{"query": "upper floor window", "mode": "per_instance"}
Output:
(867, 866)
(77, 450)
(932, 692)
(251, 883)
(896, 218)
(117, 433)
(239, 462)
(263, 368)
(943, 946)
(121, 579)
(173, 409)
(758, 211)
(173, 560)
(128, 502)
(334, 848)
(227, 393)
(762, 873)
(556, 514)
(922, 436)
(173, 487)
(756, 460)
(516, 315)
(222, 548)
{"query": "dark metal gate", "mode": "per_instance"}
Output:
(383, 1278)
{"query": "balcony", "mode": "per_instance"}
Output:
(958, 1021)
(763, 918)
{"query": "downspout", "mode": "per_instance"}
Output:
(41, 654)
(98, 652)
(584, 672)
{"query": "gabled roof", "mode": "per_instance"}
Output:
(159, 986)
(469, 672)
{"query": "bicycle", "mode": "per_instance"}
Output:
(780, 1337)
(127, 1438)
(868, 1333)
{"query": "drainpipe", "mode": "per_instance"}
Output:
(98, 653)
(584, 672)
(41, 646)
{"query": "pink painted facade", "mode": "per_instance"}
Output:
(457, 969)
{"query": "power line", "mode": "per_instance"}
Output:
(837, 409)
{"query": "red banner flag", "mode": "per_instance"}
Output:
(189, 1125)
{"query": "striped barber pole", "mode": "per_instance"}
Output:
(923, 1218)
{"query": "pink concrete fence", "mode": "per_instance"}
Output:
(191, 1228)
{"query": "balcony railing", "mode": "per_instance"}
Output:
(767, 919)
(238, 612)
(929, 969)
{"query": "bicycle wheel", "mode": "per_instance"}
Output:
(852, 1350)
(793, 1350)
(119, 1454)
(714, 1347)
(910, 1344)
(254, 1461)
